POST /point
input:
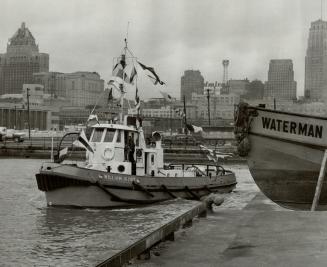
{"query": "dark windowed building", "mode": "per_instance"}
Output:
(315, 85)
(191, 82)
(21, 60)
(280, 84)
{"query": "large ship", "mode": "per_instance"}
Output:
(285, 152)
(123, 169)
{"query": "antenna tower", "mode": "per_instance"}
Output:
(225, 65)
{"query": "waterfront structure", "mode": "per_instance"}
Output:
(34, 93)
(80, 88)
(255, 90)
(84, 88)
(315, 85)
(280, 84)
(162, 112)
(54, 83)
(212, 88)
(14, 114)
(21, 60)
(221, 106)
(238, 87)
(191, 82)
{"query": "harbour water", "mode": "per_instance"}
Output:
(35, 235)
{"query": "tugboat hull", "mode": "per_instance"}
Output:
(66, 185)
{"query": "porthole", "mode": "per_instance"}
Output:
(121, 168)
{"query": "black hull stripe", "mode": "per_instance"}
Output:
(48, 182)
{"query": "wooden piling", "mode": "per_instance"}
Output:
(320, 182)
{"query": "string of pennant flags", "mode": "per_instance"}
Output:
(120, 76)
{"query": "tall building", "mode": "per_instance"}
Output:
(80, 88)
(280, 84)
(315, 85)
(85, 88)
(54, 83)
(254, 90)
(191, 82)
(21, 60)
(238, 87)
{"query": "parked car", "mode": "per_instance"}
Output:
(11, 134)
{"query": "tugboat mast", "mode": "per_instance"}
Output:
(122, 87)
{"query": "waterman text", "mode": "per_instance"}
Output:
(292, 127)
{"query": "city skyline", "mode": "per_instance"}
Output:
(172, 37)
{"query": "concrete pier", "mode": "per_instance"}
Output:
(140, 248)
(259, 234)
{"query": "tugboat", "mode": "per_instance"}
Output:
(121, 169)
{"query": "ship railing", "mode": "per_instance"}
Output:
(209, 168)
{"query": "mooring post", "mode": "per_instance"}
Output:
(320, 182)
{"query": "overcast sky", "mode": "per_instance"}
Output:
(170, 35)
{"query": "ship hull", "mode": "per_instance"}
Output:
(284, 166)
(77, 187)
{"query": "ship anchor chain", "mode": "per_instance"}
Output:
(243, 116)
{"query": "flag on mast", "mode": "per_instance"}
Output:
(166, 96)
(110, 96)
(84, 142)
(137, 100)
(151, 70)
(92, 118)
(132, 75)
(62, 153)
(119, 71)
(193, 128)
(180, 112)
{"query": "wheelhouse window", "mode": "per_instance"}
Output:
(109, 135)
(118, 136)
(137, 139)
(97, 135)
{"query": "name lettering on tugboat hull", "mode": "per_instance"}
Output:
(292, 127)
(117, 178)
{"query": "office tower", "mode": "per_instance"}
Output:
(280, 84)
(191, 82)
(21, 60)
(53, 82)
(238, 87)
(316, 61)
(254, 91)
(85, 88)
